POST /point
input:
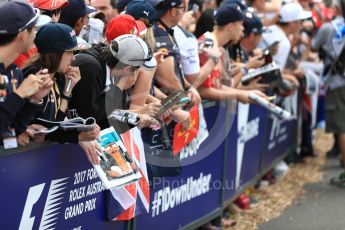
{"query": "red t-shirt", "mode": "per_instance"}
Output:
(213, 79)
(23, 58)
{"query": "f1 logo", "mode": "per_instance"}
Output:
(27, 222)
(51, 207)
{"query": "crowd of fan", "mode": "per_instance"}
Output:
(61, 59)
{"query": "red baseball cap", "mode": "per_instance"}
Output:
(123, 24)
(48, 4)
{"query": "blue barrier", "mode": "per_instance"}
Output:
(55, 187)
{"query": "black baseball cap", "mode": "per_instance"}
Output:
(76, 9)
(16, 16)
(141, 9)
(121, 4)
(252, 24)
(56, 37)
(228, 13)
(166, 5)
(241, 3)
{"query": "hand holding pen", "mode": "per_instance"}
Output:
(72, 77)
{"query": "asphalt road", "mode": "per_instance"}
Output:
(321, 208)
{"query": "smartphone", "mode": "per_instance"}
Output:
(184, 101)
(271, 47)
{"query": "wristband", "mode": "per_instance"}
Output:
(68, 98)
(34, 102)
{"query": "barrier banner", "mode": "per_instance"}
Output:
(196, 192)
(245, 144)
(178, 201)
(53, 187)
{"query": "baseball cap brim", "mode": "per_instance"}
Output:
(50, 5)
(42, 20)
(150, 64)
(305, 15)
(302, 16)
(154, 3)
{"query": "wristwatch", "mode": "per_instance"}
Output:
(214, 58)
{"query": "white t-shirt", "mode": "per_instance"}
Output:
(272, 34)
(188, 46)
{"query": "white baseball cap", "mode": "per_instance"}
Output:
(133, 51)
(291, 12)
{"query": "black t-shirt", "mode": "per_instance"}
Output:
(166, 41)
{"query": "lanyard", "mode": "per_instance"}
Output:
(55, 93)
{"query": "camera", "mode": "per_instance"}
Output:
(206, 44)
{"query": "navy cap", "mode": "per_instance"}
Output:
(141, 9)
(166, 5)
(76, 9)
(252, 24)
(228, 13)
(55, 37)
(241, 3)
(16, 16)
